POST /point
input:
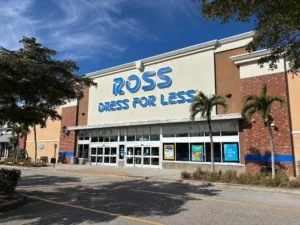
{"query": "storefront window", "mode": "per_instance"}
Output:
(182, 130)
(94, 139)
(83, 151)
(182, 152)
(196, 129)
(229, 128)
(155, 133)
(84, 135)
(106, 134)
(197, 153)
(169, 131)
(121, 151)
(131, 134)
(139, 134)
(217, 152)
(122, 134)
(101, 137)
(231, 152)
(215, 129)
(146, 133)
(114, 135)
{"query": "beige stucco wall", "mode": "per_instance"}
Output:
(45, 136)
(296, 140)
(194, 71)
(294, 93)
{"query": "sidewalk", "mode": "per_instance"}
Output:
(148, 173)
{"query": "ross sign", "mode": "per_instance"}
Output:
(230, 152)
(169, 151)
(147, 83)
(197, 152)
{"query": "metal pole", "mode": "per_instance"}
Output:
(55, 147)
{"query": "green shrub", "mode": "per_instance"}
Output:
(7, 160)
(229, 176)
(212, 176)
(9, 180)
(198, 174)
(185, 174)
(40, 164)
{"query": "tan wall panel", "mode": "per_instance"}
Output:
(51, 132)
(294, 94)
(83, 108)
(296, 139)
(228, 79)
(47, 151)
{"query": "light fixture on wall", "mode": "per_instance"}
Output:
(273, 124)
(229, 95)
(65, 131)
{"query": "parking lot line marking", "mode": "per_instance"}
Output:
(95, 210)
(224, 201)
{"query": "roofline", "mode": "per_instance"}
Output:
(249, 57)
(173, 54)
(143, 123)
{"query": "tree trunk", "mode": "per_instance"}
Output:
(35, 144)
(211, 146)
(272, 150)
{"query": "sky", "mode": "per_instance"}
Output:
(99, 34)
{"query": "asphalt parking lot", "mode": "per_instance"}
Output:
(64, 198)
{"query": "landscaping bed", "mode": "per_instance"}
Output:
(231, 176)
(24, 163)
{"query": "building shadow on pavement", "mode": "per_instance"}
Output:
(129, 197)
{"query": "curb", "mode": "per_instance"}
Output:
(22, 200)
(245, 187)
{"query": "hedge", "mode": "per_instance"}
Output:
(9, 180)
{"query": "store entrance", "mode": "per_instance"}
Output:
(103, 155)
(142, 156)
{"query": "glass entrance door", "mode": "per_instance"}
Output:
(103, 155)
(142, 156)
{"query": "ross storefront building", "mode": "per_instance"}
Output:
(138, 116)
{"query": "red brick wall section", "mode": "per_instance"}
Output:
(255, 135)
(22, 142)
(68, 142)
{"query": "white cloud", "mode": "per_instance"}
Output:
(80, 29)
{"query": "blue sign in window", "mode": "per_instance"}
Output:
(231, 152)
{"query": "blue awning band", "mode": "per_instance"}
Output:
(267, 157)
(66, 154)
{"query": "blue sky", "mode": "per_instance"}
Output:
(98, 34)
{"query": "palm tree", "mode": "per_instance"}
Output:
(18, 131)
(262, 104)
(204, 105)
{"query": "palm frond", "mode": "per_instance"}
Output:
(276, 98)
(249, 107)
(219, 100)
(264, 90)
(248, 98)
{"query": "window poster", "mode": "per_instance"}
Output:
(169, 151)
(197, 152)
(231, 152)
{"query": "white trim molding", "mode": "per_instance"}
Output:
(249, 57)
(206, 46)
(296, 132)
(233, 116)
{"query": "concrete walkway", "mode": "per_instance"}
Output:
(150, 173)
